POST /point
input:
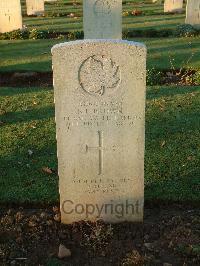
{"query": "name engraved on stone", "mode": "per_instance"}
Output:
(99, 75)
(100, 114)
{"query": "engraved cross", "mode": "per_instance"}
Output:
(8, 14)
(100, 149)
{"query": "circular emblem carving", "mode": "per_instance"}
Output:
(102, 7)
(99, 75)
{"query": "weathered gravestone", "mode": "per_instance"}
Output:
(174, 6)
(193, 13)
(102, 19)
(10, 15)
(100, 108)
(35, 7)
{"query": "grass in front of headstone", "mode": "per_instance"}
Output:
(28, 162)
(28, 146)
(34, 55)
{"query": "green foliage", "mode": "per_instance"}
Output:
(196, 77)
(79, 35)
(15, 35)
(148, 33)
(185, 30)
(154, 77)
(35, 34)
(193, 78)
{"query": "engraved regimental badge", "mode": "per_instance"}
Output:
(99, 75)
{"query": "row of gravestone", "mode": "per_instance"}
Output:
(96, 14)
(99, 89)
(11, 14)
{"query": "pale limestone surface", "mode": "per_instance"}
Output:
(100, 110)
(10, 15)
(102, 19)
(175, 6)
(193, 13)
(35, 7)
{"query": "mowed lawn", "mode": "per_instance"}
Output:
(28, 145)
(28, 162)
(56, 16)
(35, 55)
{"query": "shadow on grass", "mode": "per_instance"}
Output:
(169, 91)
(38, 66)
(23, 179)
(29, 115)
(169, 174)
(10, 91)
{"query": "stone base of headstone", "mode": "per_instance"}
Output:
(100, 113)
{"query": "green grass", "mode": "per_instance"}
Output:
(152, 17)
(34, 55)
(172, 161)
(172, 156)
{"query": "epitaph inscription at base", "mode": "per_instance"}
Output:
(100, 109)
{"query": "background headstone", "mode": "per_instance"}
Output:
(193, 13)
(102, 19)
(10, 15)
(175, 6)
(100, 109)
(35, 7)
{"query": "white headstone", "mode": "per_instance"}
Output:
(35, 7)
(100, 109)
(10, 15)
(193, 13)
(102, 19)
(174, 6)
